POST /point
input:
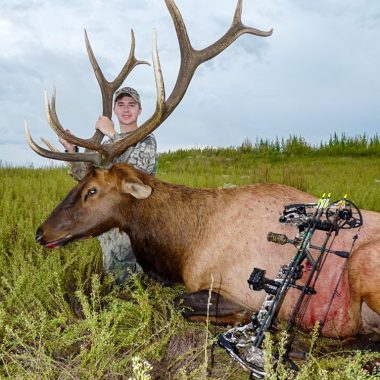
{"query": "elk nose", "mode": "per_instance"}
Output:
(39, 235)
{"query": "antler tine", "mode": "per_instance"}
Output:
(108, 88)
(236, 29)
(238, 10)
(131, 63)
(91, 157)
(49, 144)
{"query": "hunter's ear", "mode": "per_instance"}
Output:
(136, 188)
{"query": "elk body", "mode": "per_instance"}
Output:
(202, 235)
(180, 234)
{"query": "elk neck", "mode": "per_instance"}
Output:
(167, 228)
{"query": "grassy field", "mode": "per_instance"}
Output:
(62, 318)
(342, 166)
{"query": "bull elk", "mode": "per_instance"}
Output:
(190, 235)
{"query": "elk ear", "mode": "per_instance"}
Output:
(136, 189)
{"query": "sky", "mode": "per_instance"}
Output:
(317, 74)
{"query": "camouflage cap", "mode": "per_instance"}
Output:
(128, 91)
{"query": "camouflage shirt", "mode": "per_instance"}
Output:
(141, 155)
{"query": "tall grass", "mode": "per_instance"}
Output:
(62, 318)
(329, 167)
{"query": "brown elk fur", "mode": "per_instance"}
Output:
(203, 235)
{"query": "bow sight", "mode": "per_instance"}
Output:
(244, 343)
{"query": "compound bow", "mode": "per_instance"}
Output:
(244, 343)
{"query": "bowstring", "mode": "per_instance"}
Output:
(335, 291)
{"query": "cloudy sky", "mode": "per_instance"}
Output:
(317, 74)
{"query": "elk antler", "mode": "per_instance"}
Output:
(102, 157)
(190, 60)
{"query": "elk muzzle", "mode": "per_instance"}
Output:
(41, 239)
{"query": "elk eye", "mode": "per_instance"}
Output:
(91, 192)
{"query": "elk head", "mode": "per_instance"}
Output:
(103, 155)
(95, 205)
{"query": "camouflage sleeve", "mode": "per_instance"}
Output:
(142, 155)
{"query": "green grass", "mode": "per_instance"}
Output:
(62, 318)
(358, 176)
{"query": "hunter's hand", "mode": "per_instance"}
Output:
(71, 148)
(106, 126)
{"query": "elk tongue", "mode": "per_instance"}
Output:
(54, 244)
